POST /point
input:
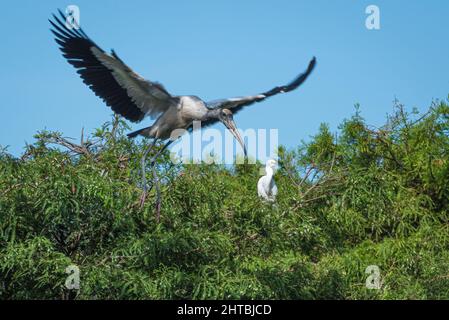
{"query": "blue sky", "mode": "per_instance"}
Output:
(218, 49)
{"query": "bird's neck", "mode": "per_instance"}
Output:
(211, 114)
(269, 171)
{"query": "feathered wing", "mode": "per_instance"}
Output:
(127, 93)
(236, 104)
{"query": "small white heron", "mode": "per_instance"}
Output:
(266, 187)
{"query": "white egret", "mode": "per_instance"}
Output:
(266, 187)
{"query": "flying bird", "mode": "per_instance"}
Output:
(266, 187)
(133, 97)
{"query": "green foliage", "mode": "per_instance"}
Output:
(367, 196)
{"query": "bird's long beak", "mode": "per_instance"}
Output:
(230, 124)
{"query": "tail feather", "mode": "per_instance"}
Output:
(136, 133)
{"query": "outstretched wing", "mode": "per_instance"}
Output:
(236, 104)
(127, 93)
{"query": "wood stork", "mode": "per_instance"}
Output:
(134, 97)
(266, 187)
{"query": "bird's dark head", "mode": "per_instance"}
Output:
(224, 114)
(226, 117)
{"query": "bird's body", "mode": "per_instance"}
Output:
(266, 186)
(179, 115)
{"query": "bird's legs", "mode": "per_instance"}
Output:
(155, 178)
(153, 160)
(158, 194)
(144, 177)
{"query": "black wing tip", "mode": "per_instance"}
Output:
(63, 16)
(312, 64)
(77, 32)
(301, 78)
(56, 22)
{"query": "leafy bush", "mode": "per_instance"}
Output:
(367, 196)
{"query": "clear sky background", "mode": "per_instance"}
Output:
(217, 49)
